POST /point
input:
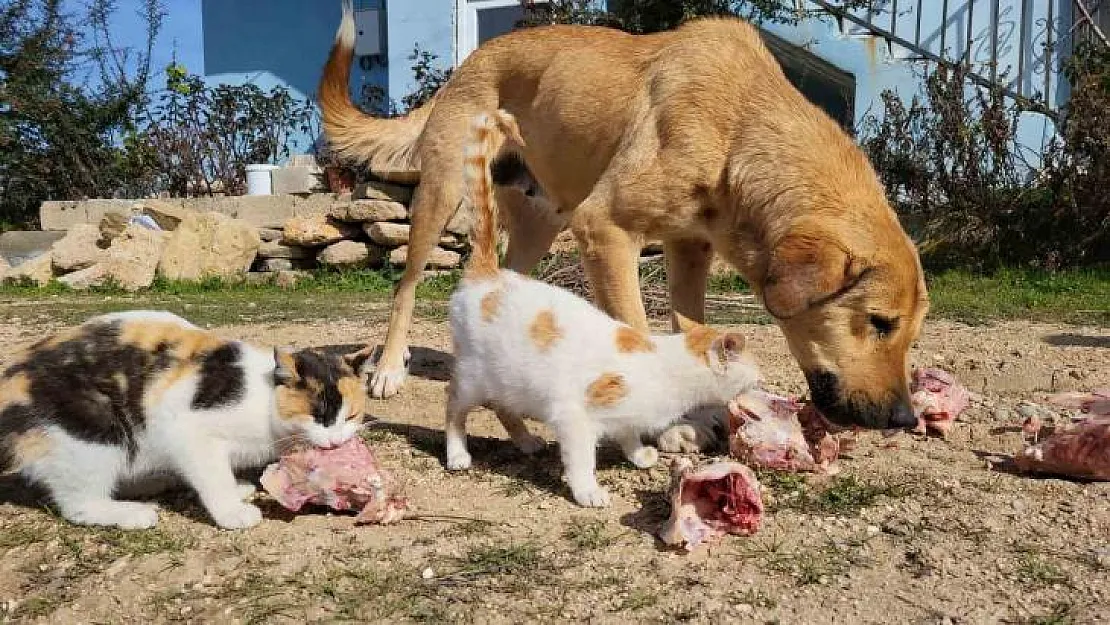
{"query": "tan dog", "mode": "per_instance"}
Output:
(693, 137)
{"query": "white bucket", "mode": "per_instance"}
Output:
(258, 179)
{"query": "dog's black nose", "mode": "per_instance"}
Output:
(902, 416)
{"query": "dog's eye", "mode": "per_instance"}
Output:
(883, 326)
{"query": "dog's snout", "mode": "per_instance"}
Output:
(902, 415)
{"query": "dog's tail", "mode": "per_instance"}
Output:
(488, 133)
(381, 144)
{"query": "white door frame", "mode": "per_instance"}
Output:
(466, 24)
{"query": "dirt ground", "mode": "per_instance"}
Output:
(914, 530)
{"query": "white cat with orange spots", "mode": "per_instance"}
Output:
(526, 348)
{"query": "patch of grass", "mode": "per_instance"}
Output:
(1061, 613)
(21, 534)
(469, 528)
(588, 534)
(1035, 571)
(753, 597)
(844, 496)
(37, 606)
(486, 560)
(638, 599)
(1077, 296)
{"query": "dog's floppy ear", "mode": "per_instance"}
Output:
(806, 270)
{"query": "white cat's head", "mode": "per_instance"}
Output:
(726, 355)
(319, 396)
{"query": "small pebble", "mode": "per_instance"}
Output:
(427, 573)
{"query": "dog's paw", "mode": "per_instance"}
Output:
(458, 461)
(644, 457)
(387, 377)
(593, 496)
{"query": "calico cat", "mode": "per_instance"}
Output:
(126, 400)
(523, 347)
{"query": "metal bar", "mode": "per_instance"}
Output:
(1022, 44)
(967, 42)
(894, 18)
(1048, 53)
(974, 77)
(917, 29)
(943, 27)
(994, 40)
(1092, 25)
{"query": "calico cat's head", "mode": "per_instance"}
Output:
(726, 355)
(319, 395)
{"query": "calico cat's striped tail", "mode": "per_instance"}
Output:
(488, 132)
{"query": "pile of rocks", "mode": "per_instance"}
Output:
(130, 243)
(365, 232)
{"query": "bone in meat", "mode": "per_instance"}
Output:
(1079, 450)
(775, 432)
(347, 477)
(721, 498)
(937, 399)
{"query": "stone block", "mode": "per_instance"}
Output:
(18, 246)
(39, 270)
(438, 259)
(369, 210)
(270, 234)
(317, 230)
(209, 245)
(77, 250)
(133, 257)
(378, 190)
(350, 255)
(166, 214)
(260, 211)
(274, 249)
(315, 204)
(298, 179)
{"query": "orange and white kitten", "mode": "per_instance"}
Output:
(526, 348)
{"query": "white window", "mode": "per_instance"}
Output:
(477, 21)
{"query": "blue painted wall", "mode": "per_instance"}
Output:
(286, 42)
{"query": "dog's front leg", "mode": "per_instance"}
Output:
(687, 274)
(432, 208)
(611, 259)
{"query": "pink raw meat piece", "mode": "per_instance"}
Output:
(347, 477)
(775, 432)
(1081, 449)
(721, 498)
(937, 399)
(1096, 403)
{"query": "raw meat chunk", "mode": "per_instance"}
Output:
(775, 432)
(937, 399)
(1096, 403)
(721, 498)
(347, 477)
(1080, 450)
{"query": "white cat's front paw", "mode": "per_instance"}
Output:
(458, 461)
(644, 457)
(126, 515)
(237, 517)
(592, 497)
(680, 439)
(245, 490)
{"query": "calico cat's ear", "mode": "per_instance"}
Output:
(285, 369)
(726, 348)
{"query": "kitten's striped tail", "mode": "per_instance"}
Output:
(488, 132)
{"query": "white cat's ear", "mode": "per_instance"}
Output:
(726, 348)
(285, 367)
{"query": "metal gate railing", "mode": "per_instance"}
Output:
(1017, 46)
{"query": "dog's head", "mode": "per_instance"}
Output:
(851, 303)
